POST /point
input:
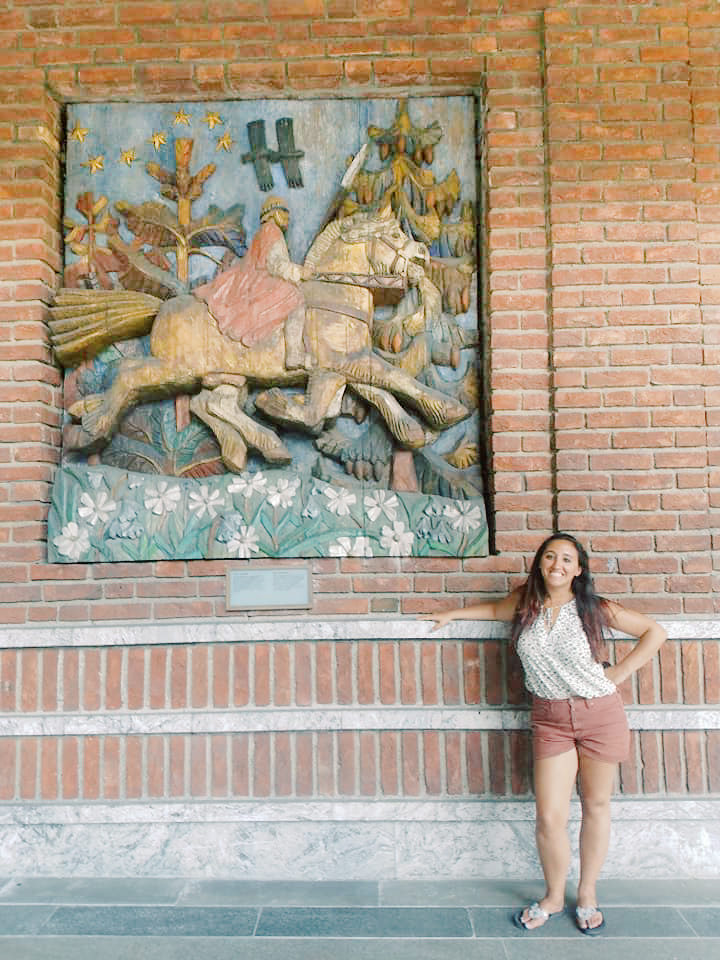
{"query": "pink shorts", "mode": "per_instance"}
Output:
(597, 728)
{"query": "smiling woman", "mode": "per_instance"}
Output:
(578, 719)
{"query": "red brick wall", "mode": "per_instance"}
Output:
(157, 686)
(603, 283)
(629, 313)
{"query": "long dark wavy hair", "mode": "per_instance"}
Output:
(592, 609)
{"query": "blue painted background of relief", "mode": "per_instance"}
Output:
(104, 508)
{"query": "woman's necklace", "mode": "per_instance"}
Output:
(549, 613)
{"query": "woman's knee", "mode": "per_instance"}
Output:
(595, 805)
(549, 820)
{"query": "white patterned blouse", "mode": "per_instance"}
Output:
(558, 663)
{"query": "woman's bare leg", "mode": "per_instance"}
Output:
(554, 781)
(597, 779)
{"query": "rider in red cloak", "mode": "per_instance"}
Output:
(255, 296)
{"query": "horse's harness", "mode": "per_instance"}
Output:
(395, 277)
(399, 266)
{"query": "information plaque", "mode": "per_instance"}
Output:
(286, 587)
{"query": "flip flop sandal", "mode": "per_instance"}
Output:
(535, 912)
(583, 915)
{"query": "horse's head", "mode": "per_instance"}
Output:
(373, 242)
(392, 251)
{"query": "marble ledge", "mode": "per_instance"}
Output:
(336, 811)
(186, 722)
(333, 841)
(269, 630)
(330, 850)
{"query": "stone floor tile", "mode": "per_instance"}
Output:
(278, 893)
(644, 922)
(659, 892)
(425, 922)
(151, 922)
(216, 948)
(611, 948)
(15, 921)
(92, 890)
(460, 893)
(705, 921)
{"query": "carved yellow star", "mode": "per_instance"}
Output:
(212, 120)
(128, 156)
(79, 134)
(157, 139)
(224, 142)
(95, 163)
(182, 117)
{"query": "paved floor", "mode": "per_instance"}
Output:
(167, 919)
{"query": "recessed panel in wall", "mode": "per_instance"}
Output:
(269, 331)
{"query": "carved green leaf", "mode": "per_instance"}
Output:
(151, 222)
(149, 442)
(220, 228)
(436, 476)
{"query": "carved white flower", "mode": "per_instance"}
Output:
(346, 548)
(202, 500)
(464, 515)
(243, 542)
(248, 483)
(163, 498)
(339, 500)
(283, 493)
(381, 502)
(98, 509)
(396, 540)
(72, 541)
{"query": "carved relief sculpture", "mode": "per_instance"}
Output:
(230, 399)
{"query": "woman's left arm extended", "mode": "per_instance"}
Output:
(650, 636)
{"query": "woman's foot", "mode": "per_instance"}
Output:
(589, 920)
(536, 915)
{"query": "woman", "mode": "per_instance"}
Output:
(578, 719)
